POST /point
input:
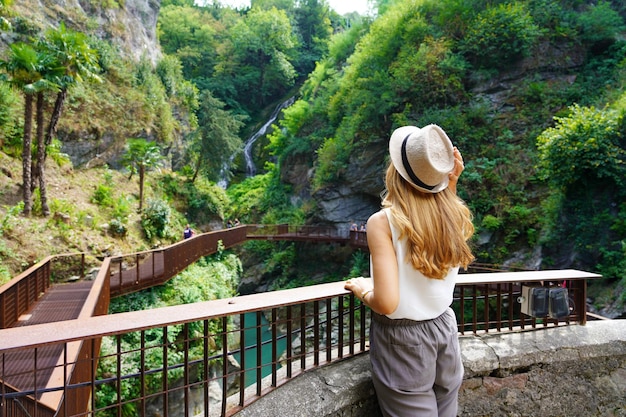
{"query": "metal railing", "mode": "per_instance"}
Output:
(175, 359)
(490, 302)
(194, 346)
(137, 271)
(19, 295)
(141, 270)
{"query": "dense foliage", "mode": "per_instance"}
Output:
(492, 73)
(435, 62)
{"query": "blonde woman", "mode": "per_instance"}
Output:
(417, 243)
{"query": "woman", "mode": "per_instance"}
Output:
(417, 243)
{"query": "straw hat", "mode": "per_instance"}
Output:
(423, 157)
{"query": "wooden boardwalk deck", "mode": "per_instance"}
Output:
(61, 302)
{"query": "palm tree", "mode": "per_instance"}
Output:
(76, 60)
(39, 172)
(24, 66)
(140, 157)
(68, 55)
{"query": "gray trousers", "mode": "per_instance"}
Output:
(416, 366)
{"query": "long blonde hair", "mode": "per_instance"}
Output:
(437, 226)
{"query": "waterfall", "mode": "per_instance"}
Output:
(247, 149)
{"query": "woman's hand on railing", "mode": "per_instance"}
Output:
(360, 286)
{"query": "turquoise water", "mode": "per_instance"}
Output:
(249, 342)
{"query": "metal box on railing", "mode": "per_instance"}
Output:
(540, 301)
(534, 301)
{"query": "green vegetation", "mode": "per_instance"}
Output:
(422, 61)
(582, 158)
(417, 62)
(530, 91)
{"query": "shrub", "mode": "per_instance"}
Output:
(155, 218)
(600, 23)
(54, 152)
(360, 265)
(500, 35)
(491, 223)
(122, 207)
(102, 196)
(583, 150)
(117, 227)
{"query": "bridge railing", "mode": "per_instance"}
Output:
(137, 271)
(187, 352)
(286, 230)
(19, 295)
(190, 356)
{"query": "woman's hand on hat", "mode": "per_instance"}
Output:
(457, 170)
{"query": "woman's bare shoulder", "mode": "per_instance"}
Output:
(378, 223)
(377, 218)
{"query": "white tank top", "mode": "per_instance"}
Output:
(421, 298)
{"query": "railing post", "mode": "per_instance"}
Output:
(242, 359)
(289, 337)
(274, 347)
(329, 329)
(2, 313)
(259, 357)
(316, 332)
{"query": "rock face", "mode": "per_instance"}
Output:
(358, 197)
(131, 24)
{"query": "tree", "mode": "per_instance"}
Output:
(216, 140)
(75, 60)
(65, 57)
(38, 170)
(263, 45)
(26, 67)
(140, 157)
(193, 36)
(315, 30)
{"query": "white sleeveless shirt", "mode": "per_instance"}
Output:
(421, 298)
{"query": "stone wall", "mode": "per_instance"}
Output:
(565, 371)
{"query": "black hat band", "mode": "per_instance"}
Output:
(409, 170)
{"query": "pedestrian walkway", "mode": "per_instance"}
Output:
(60, 302)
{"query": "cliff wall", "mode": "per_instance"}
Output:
(130, 24)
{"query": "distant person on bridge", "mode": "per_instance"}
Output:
(417, 243)
(188, 232)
